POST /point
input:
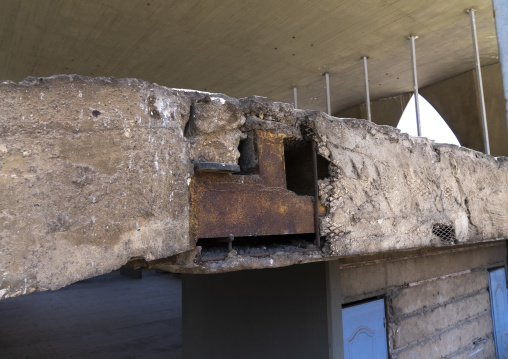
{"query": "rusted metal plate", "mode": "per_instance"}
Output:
(250, 205)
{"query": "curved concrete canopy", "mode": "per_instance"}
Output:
(246, 48)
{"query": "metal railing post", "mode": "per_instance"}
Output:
(483, 113)
(367, 94)
(415, 85)
(327, 80)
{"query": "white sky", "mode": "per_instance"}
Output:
(432, 124)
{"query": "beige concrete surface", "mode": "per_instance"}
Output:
(248, 48)
(90, 177)
(95, 172)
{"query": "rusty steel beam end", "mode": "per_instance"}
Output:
(316, 194)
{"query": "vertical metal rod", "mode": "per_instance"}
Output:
(367, 94)
(327, 80)
(295, 97)
(231, 238)
(415, 85)
(480, 83)
(316, 195)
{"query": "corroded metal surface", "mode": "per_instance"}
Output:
(250, 205)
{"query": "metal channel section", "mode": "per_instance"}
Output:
(226, 205)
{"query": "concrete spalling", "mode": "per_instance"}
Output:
(98, 172)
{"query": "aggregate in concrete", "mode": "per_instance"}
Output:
(95, 172)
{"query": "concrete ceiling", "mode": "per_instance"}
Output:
(244, 48)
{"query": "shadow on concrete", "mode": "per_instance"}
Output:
(111, 316)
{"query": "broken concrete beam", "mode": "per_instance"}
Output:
(94, 172)
(392, 191)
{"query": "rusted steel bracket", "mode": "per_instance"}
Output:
(227, 205)
(317, 241)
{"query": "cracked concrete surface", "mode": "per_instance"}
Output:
(95, 172)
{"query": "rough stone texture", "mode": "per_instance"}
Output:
(92, 173)
(424, 324)
(439, 292)
(392, 191)
(459, 343)
(213, 129)
(95, 172)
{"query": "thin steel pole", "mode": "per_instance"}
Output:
(328, 107)
(367, 94)
(295, 97)
(317, 240)
(480, 83)
(415, 85)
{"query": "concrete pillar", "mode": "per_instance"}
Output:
(268, 313)
(501, 15)
(334, 304)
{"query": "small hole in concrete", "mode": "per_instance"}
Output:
(248, 156)
(299, 166)
(96, 113)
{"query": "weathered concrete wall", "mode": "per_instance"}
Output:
(438, 305)
(91, 174)
(95, 172)
(495, 106)
(386, 111)
(501, 16)
(391, 191)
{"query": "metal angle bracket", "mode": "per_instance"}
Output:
(257, 204)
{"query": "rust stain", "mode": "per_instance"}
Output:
(250, 205)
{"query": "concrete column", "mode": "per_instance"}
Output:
(334, 305)
(501, 12)
(268, 313)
